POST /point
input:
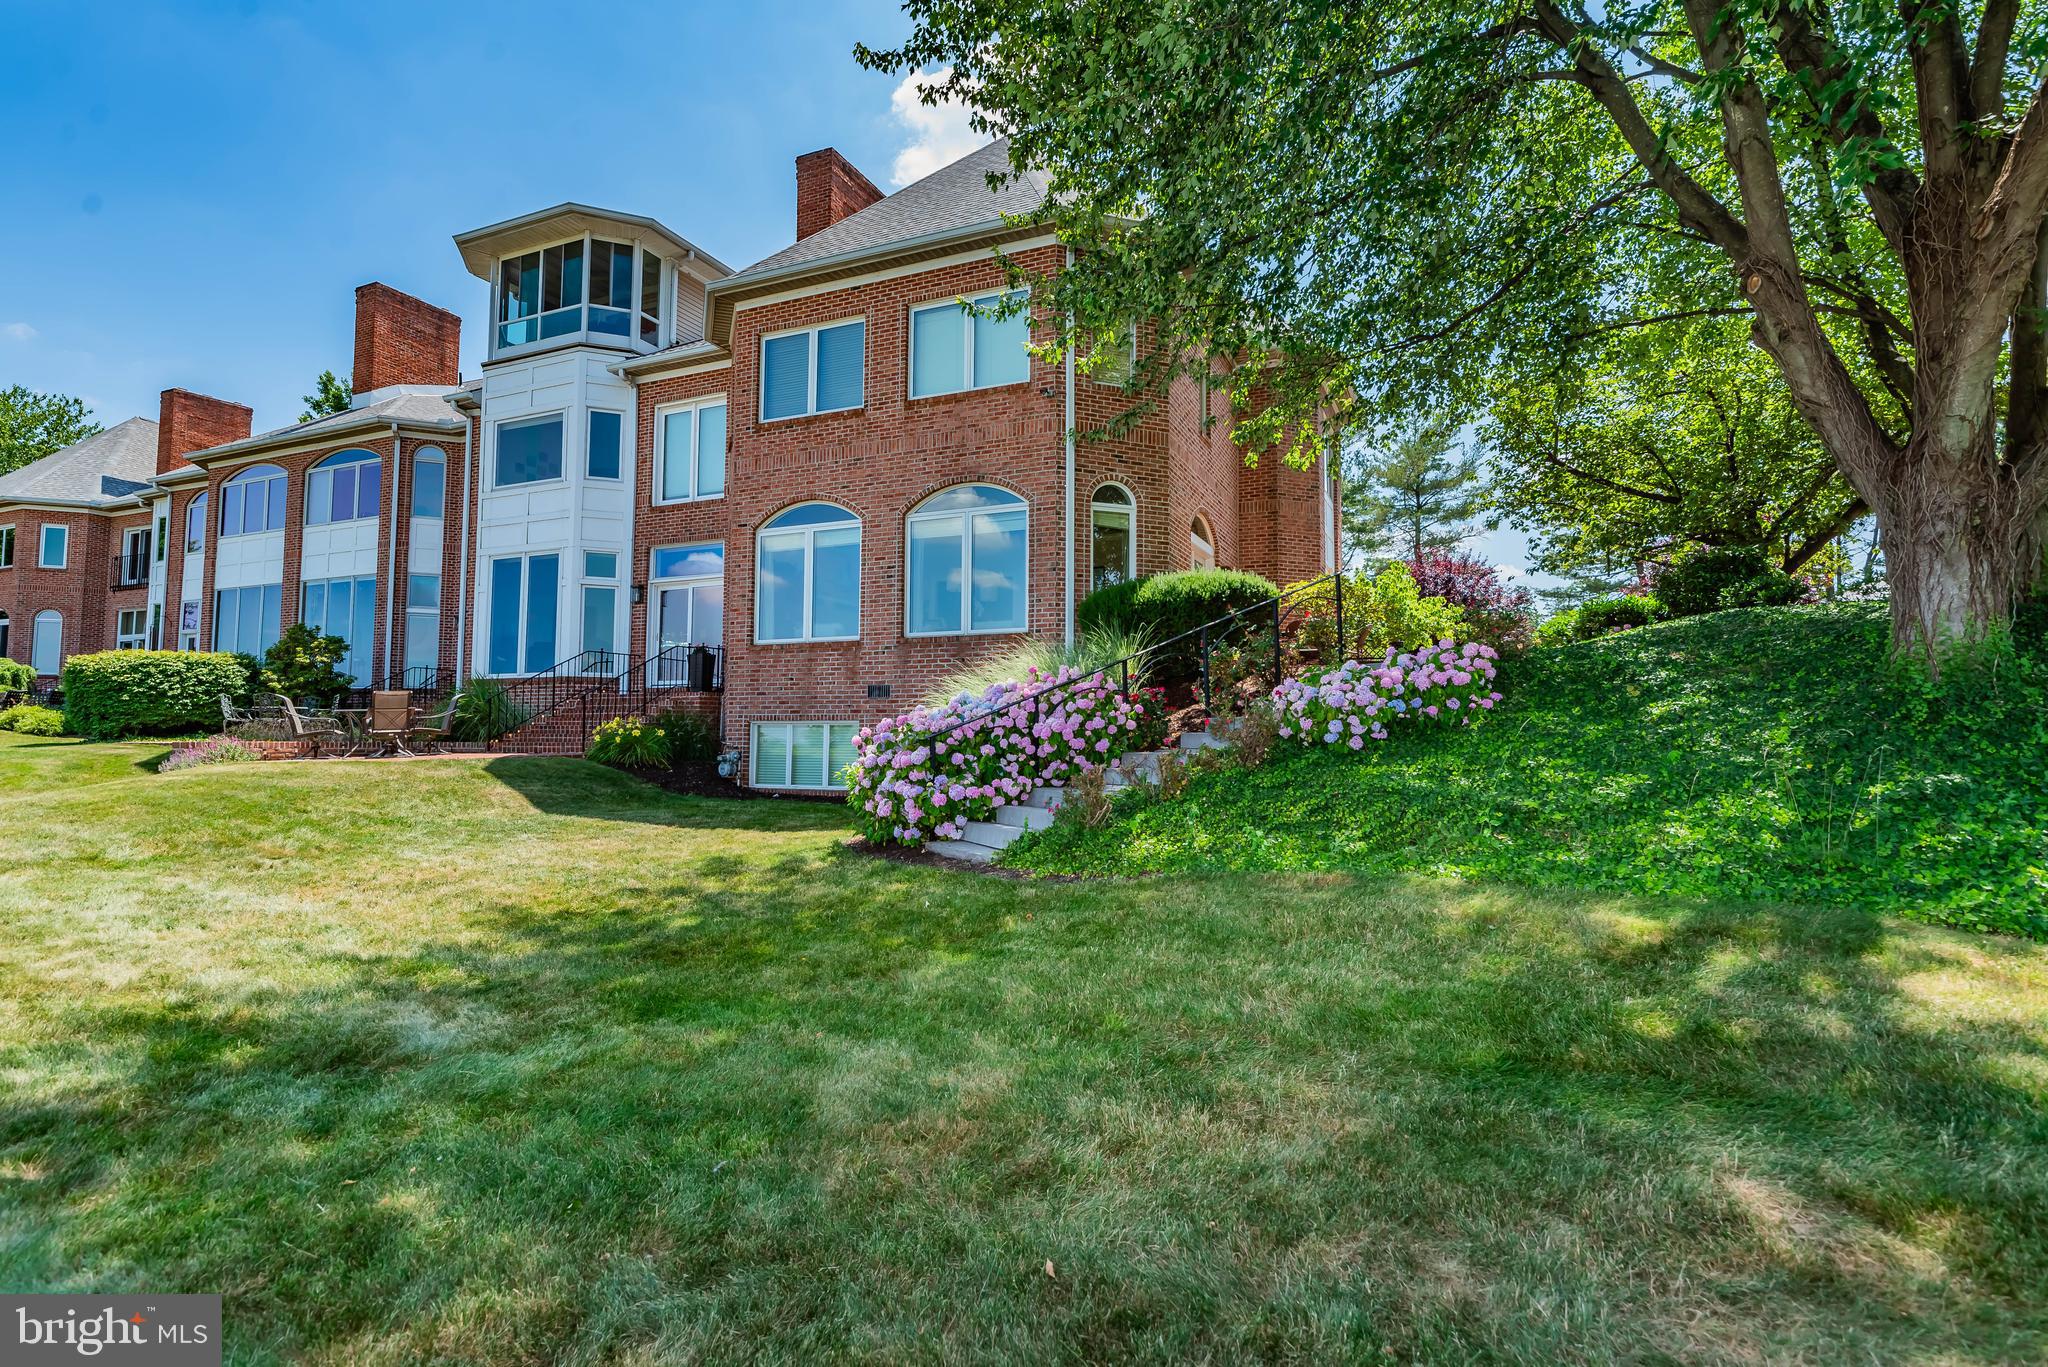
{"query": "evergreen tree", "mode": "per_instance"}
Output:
(331, 394)
(1417, 494)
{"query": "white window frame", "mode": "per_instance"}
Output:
(695, 408)
(971, 301)
(810, 532)
(418, 618)
(129, 559)
(656, 583)
(43, 546)
(6, 545)
(642, 249)
(425, 455)
(196, 508)
(188, 640)
(35, 631)
(560, 415)
(625, 458)
(811, 362)
(329, 467)
(137, 639)
(161, 538)
(966, 516)
(789, 770)
(524, 557)
(241, 477)
(1207, 543)
(1130, 510)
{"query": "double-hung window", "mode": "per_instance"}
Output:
(968, 551)
(815, 370)
(801, 754)
(600, 603)
(977, 342)
(54, 551)
(602, 451)
(422, 629)
(525, 602)
(690, 450)
(807, 575)
(345, 487)
(6, 548)
(529, 451)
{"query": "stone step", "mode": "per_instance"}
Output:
(1029, 818)
(993, 833)
(1045, 799)
(1201, 740)
(966, 851)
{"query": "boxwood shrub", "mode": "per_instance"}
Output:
(15, 677)
(29, 720)
(148, 692)
(1162, 606)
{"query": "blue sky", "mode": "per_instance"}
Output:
(194, 191)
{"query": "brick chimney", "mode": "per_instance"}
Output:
(188, 422)
(829, 188)
(403, 340)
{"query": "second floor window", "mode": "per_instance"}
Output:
(529, 451)
(344, 488)
(429, 482)
(55, 551)
(253, 501)
(965, 344)
(6, 548)
(692, 454)
(967, 562)
(817, 370)
(601, 454)
(195, 525)
(807, 575)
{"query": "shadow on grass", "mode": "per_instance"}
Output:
(826, 1105)
(581, 788)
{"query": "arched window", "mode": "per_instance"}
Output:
(429, 482)
(195, 525)
(1201, 545)
(252, 501)
(46, 643)
(807, 575)
(968, 554)
(344, 488)
(1113, 536)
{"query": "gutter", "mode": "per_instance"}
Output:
(1070, 467)
(391, 577)
(462, 558)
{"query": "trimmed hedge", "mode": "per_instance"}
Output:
(148, 692)
(15, 677)
(29, 720)
(1162, 606)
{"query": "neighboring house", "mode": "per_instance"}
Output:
(820, 467)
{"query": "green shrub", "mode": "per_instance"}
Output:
(690, 737)
(1605, 616)
(302, 666)
(147, 692)
(1558, 629)
(1710, 578)
(15, 677)
(482, 710)
(219, 750)
(29, 720)
(1382, 611)
(659, 742)
(1095, 648)
(1164, 606)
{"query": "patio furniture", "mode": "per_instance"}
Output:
(429, 730)
(320, 731)
(391, 720)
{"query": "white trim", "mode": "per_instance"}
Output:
(560, 416)
(789, 770)
(657, 496)
(331, 464)
(1129, 510)
(9, 539)
(43, 545)
(627, 371)
(738, 282)
(966, 516)
(811, 370)
(522, 668)
(220, 510)
(967, 339)
(810, 531)
(139, 638)
(590, 411)
(35, 630)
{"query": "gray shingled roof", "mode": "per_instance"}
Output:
(952, 197)
(430, 409)
(104, 468)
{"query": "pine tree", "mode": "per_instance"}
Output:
(1417, 494)
(331, 394)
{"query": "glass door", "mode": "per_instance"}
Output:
(691, 613)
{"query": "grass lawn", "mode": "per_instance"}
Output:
(521, 1061)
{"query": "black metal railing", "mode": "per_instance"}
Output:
(1207, 637)
(691, 667)
(131, 571)
(428, 685)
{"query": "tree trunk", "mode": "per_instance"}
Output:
(1961, 544)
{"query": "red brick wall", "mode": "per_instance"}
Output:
(188, 422)
(403, 340)
(829, 188)
(79, 591)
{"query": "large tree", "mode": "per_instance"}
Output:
(1414, 494)
(1657, 438)
(33, 425)
(1387, 202)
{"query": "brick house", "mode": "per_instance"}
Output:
(822, 469)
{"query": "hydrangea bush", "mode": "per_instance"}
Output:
(1444, 684)
(912, 780)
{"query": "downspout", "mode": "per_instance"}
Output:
(1069, 524)
(462, 551)
(391, 580)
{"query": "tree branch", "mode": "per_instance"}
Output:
(1806, 550)
(1565, 466)
(1987, 68)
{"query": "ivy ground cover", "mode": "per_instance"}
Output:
(1761, 753)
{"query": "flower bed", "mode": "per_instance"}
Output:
(1442, 684)
(909, 783)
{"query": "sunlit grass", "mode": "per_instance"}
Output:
(520, 1060)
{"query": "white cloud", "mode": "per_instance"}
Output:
(19, 332)
(939, 133)
(1510, 572)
